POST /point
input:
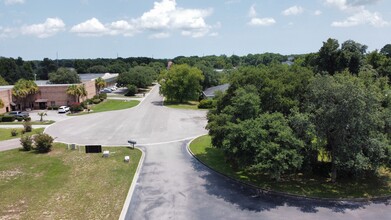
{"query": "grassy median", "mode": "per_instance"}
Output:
(110, 105)
(5, 133)
(299, 184)
(190, 105)
(65, 184)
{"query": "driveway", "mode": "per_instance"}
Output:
(173, 185)
(148, 123)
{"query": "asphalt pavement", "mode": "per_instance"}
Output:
(174, 185)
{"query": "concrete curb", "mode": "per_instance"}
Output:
(288, 195)
(132, 186)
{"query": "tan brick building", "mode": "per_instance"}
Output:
(50, 94)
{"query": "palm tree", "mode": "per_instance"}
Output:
(77, 91)
(1, 103)
(24, 88)
(100, 83)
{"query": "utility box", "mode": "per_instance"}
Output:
(93, 148)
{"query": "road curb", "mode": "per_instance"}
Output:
(287, 195)
(132, 186)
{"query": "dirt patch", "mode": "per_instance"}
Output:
(7, 175)
(14, 211)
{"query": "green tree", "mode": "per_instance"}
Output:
(77, 91)
(140, 76)
(328, 56)
(64, 76)
(386, 50)
(3, 82)
(347, 113)
(23, 89)
(181, 83)
(100, 83)
(351, 56)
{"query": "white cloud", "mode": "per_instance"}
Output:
(362, 17)
(13, 2)
(47, 29)
(358, 14)
(262, 21)
(294, 10)
(317, 12)
(91, 27)
(166, 16)
(160, 35)
(256, 21)
(252, 12)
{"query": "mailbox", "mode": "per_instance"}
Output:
(132, 142)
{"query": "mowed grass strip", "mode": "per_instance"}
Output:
(110, 105)
(298, 184)
(190, 105)
(65, 184)
(5, 133)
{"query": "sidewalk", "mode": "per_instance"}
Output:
(10, 144)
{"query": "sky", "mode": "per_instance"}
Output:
(70, 29)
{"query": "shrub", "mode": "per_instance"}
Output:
(19, 119)
(102, 96)
(206, 104)
(96, 101)
(43, 143)
(54, 107)
(132, 90)
(27, 119)
(76, 107)
(27, 126)
(8, 118)
(14, 132)
(27, 142)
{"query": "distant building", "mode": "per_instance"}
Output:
(52, 94)
(209, 93)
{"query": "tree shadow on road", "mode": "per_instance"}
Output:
(252, 199)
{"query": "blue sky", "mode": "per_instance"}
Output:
(35, 29)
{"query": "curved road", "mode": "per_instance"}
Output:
(173, 185)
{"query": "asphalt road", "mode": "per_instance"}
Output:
(173, 185)
(148, 123)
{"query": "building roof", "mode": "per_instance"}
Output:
(210, 92)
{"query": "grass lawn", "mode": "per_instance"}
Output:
(5, 133)
(65, 184)
(110, 105)
(296, 184)
(45, 122)
(191, 105)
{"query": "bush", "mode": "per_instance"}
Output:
(26, 142)
(19, 119)
(27, 126)
(8, 118)
(54, 107)
(132, 90)
(27, 119)
(14, 132)
(96, 101)
(76, 107)
(206, 104)
(102, 96)
(43, 143)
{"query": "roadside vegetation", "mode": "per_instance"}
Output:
(65, 184)
(8, 133)
(298, 183)
(109, 105)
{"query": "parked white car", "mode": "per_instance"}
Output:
(63, 109)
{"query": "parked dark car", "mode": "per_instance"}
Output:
(19, 114)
